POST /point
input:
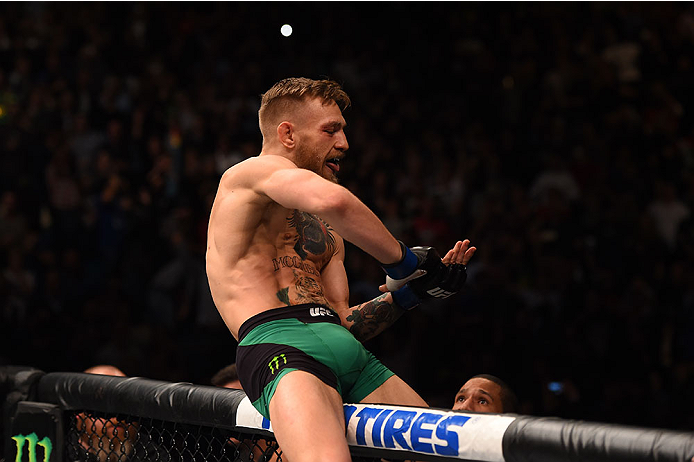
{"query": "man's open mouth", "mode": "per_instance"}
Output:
(333, 164)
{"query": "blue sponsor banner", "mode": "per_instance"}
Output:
(427, 431)
(453, 434)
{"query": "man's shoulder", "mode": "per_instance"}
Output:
(251, 177)
(258, 166)
(265, 160)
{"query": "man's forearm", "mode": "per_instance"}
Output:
(369, 319)
(356, 223)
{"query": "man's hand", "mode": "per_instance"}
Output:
(460, 253)
(440, 278)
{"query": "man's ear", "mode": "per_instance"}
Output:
(285, 133)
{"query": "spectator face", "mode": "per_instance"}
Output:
(479, 395)
(107, 439)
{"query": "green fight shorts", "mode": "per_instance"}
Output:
(308, 338)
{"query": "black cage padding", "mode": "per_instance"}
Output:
(558, 440)
(137, 396)
(527, 438)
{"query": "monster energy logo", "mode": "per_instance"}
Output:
(274, 363)
(33, 440)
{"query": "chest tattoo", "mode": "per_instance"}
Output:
(315, 236)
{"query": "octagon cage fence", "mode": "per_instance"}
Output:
(67, 416)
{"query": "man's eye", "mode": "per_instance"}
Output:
(461, 398)
(482, 401)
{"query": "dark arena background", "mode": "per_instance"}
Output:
(557, 136)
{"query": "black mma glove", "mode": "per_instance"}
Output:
(438, 281)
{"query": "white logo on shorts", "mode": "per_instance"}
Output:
(320, 311)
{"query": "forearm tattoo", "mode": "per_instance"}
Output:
(372, 317)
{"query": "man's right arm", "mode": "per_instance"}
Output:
(296, 188)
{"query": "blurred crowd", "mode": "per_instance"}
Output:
(558, 137)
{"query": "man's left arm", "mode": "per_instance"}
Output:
(365, 320)
(369, 319)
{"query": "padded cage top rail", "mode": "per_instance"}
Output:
(173, 402)
(435, 434)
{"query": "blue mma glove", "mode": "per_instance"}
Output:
(409, 267)
(437, 281)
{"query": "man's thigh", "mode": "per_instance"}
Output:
(308, 419)
(395, 391)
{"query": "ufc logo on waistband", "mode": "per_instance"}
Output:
(319, 311)
(439, 292)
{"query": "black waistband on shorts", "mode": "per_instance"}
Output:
(306, 312)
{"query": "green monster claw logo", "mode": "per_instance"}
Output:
(274, 362)
(33, 440)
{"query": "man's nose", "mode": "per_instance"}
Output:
(342, 144)
(468, 405)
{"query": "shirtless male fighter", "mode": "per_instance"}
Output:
(275, 264)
